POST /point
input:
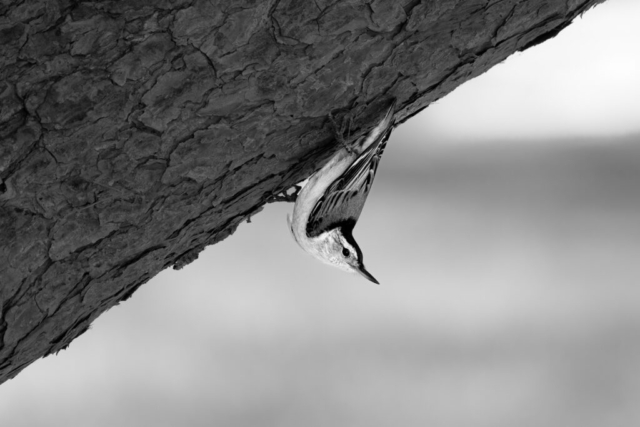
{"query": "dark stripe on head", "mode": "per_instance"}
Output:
(347, 231)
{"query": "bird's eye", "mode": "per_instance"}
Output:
(346, 252)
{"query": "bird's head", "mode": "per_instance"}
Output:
(342, 251)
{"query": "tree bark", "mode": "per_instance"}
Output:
(133, 134)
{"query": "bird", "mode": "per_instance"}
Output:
(327, 208)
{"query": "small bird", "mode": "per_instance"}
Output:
(327, 208)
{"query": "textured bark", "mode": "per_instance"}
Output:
(135, 133)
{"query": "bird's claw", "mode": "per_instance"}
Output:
(339, 130)
(285, 196)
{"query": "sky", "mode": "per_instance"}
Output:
(509, 278)
(583, 83)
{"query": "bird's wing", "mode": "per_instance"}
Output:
(345, 197)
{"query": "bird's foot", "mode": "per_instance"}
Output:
(285, 196)
(339, 132)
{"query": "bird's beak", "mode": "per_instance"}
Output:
(366, 274)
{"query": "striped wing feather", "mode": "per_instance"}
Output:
(345, 197)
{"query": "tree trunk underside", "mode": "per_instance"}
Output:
(133, 134)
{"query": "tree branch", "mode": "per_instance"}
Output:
(134, 135)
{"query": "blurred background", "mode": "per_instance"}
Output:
(503, 226)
